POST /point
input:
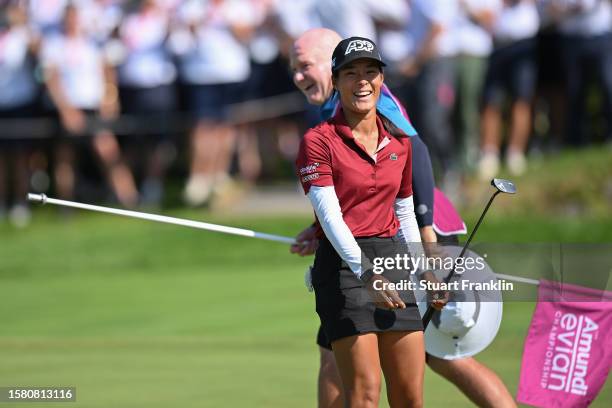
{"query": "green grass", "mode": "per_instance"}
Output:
(137, 314)
(569, 183)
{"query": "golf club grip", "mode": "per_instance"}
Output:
(427, 316)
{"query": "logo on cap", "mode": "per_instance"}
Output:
(359, 45)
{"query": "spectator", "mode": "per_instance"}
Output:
(146, 78)
(474, 44)
(100, 18)
(18, 100)
(83, 89)
(213, 65)
(295, 18)
(45, 16)
(550, 104)
(511, 70)
(586, 48)
(359, 17)
(431, 62)
(265, 63)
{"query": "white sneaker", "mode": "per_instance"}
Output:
(516, 162)
(20, 216)
(488, 166)
(197, 191)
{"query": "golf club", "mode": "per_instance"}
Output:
(501, 186)
(43, 199)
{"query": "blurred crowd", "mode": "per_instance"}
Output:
(121, 92)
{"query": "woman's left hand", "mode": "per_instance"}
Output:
(439, 297)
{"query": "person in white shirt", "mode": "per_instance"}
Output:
(100, 18)
(586, 51)
(359, 17)
(474, 44)
(213, 64)
(146, 88)
(83, 90)
(19, 93)
(45, 16)
(511, 73)
(431, 64)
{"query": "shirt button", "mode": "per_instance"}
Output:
(373, 175)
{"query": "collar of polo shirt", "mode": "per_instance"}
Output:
(343, 129)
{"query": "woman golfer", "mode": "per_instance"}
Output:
(357, 170)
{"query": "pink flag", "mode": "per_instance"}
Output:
(568, 350)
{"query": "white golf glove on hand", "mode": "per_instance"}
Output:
(308, 279)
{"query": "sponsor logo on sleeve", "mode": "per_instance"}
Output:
(311, 168)
(309, 172)
(310, 177)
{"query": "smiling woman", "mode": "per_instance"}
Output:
(358, 84)
(358, 177)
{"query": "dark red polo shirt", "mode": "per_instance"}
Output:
(366, 188)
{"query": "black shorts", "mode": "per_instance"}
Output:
(211, 102)
(322, 340)
(143, 101)
(15, 124)
(512, 71)
(152, 108)
(344, 304)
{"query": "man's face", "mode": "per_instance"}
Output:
(311, 74)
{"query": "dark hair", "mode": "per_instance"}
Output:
(391, 127)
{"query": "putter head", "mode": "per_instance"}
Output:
(505, 186)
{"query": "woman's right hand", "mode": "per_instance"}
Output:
(382, 296)
(306, 242)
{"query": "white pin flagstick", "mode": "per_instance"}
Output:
(517, 279)
(43, 199)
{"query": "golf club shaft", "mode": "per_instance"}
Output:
(43, 199)
(430, 309)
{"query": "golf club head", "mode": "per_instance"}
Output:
(505, 186)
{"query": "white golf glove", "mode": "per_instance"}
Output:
(308, 279)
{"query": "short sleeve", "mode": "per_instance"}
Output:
(314, 162)
(406, 184)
